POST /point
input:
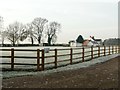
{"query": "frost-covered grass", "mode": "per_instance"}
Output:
(8, 74)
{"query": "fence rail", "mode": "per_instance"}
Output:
(43, 59)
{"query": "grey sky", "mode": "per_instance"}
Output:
(86, 17)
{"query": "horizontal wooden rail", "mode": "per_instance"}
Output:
(63, 49)
(5, 63)
(77, 53)
(95, 54)
(63, 60)
(5, 56)
(63, 55)
(5, 49)
(77, 58)
(49, 63)
(52, 50)
(25, 50)
(24, 64)
(95, 50)
(77, 48)
(87, 51)
(27, 57)
(49, 56)
(87, 56)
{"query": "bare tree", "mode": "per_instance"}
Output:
(53, 29)
(1, 23)
(31, 32)
(1, 29)
(4, 36)
(39, 26)
(15, 32)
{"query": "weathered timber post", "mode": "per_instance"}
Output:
(104, 50)
(109, 50)
(55, 58)
(112, 49)
(71, 52)
(43, 57)
(38, 59)
(92, 52)
(83, 51)
(119, 49)
(116, 48)
(12, 59)
(98, 51)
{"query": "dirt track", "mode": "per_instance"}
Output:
(103, 75)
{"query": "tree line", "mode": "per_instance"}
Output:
(36, 30)
(112, 41)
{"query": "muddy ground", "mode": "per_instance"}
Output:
(104, 75)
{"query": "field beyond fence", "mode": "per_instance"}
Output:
(41, 59)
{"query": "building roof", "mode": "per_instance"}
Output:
(71, 41)
(95, 39)
(98, 39)
(80, 39)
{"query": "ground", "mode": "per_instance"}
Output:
(104, 75)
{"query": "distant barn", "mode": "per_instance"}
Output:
(80, 41)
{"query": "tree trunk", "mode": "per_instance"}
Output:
(49, 41)
(32, 41)
(13, 41)
(2, 41)
(39, 40)
(17, 42)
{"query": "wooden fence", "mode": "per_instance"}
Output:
(83, 53)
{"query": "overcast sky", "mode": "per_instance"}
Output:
(98, 18)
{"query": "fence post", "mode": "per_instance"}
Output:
(55, 58)
(38, 59)
(71, 52)
(12, 59)
(43, 59)
(116, 48)
(104, 50)
(112, 49)
(92, 52)
(109, 50)
(83, 54)
(98, 51)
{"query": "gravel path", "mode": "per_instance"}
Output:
(103, 75)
